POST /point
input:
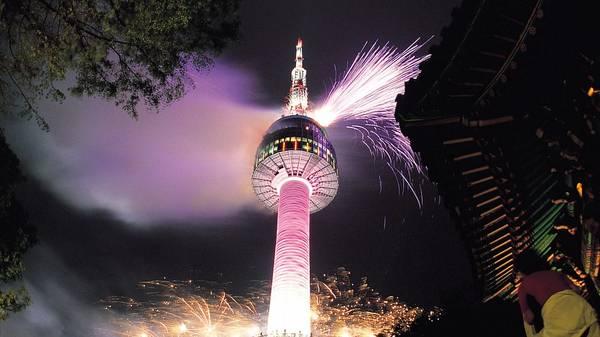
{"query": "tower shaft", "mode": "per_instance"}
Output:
(289, 310)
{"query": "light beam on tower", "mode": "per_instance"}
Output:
(295, 174)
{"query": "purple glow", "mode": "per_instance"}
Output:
(289, 309)
(189, 161)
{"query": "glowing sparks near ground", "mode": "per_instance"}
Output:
(184, 308)
(363, 100)
(357, 310)
(199, 308)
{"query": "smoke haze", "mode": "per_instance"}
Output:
(192, 160)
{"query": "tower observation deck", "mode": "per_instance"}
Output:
(295, 174)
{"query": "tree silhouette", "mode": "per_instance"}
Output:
(16, 234)
(129, 51)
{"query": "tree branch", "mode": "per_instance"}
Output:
(81, 26)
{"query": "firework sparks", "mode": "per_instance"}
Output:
(345, 309)
(363, 100)
(339, 308)
(186, 308)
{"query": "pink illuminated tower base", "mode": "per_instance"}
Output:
(289, 310)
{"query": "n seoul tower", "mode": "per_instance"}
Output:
(295, 174)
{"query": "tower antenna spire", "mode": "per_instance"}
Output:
(298, 98)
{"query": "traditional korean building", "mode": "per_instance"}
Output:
(505, 116)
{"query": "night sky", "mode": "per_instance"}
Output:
(117, 201)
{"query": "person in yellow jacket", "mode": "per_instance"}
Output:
(564, 312)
